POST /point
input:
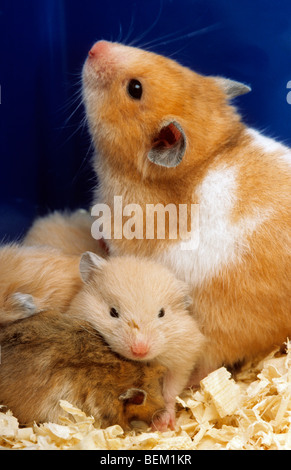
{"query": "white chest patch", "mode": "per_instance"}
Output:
(221, 242)
(270, 145)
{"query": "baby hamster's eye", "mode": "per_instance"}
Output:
(134, 89)
(114, 312)
(161, 313)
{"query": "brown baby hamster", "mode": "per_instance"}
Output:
(51, 357)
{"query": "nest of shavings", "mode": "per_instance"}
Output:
(251, 411)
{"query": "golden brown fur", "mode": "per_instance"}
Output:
(51, 357)
(241, 277)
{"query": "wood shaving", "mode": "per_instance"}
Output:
(250, 410)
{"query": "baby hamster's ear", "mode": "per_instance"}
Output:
(169, 145)
(90, 262)
(134, 396)
(231, 87)
(188, 301)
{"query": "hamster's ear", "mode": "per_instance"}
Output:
(134, 396)
(90, 262)
(231, 87)
(188, 301)
(169, 145)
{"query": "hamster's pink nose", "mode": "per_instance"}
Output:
(139, 349)
(99, 48)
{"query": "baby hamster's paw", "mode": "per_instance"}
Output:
(164, 420)
(24, 303)
(19, 306)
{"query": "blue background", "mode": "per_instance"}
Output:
(44, 147)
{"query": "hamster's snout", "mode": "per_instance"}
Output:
(101, 62)
(105, 61)
(110, 55)
(139, 349)
(100, 48)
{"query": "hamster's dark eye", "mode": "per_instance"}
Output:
(161, 313)
(134, 89)
(114, 313)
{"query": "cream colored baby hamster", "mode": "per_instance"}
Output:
(142, 311)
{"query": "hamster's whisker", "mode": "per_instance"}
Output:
(74, 112)
(83, 162)
(131, 26)
(71, 101)
(198, 32)
(81, 325)
(152, 26)
(153, 42)
(119, 38)
(81, 127)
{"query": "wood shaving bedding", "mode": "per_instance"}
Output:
(250, 411)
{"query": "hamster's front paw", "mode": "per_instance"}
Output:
(164, 419)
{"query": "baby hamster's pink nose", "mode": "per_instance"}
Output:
(139, 349)
(100, 48)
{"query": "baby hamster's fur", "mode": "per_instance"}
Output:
(142, 311)
(150, 322)
(69, 232)
(35, 278)
(180, 141)
(51, 357)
